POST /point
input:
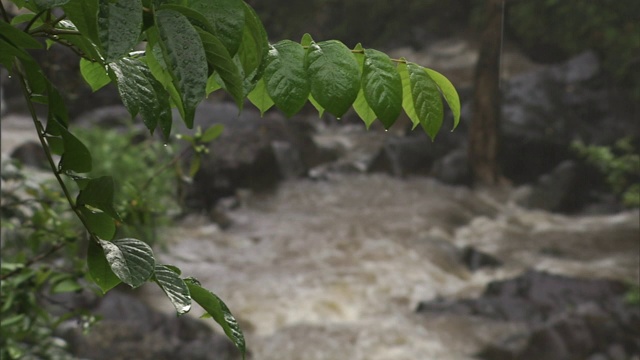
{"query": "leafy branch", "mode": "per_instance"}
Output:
(190, 50)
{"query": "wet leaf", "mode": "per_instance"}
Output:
(174, 287)
(99, 269)
(94, 74)
(449, 92)
(219, 311)
(185, 58)
(334, 76)
(285, 77)
(119, 26)
(130, 259)
(382, 86)
(427, 100)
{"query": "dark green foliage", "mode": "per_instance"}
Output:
(192, 47)
(620, 164)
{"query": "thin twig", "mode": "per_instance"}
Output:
(34, 260)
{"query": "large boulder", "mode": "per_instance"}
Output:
(566, 318)
(545, 110)
(252, 153)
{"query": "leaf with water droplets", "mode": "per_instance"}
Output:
(185, 58)
(119, 26)
(285, 77)
(174, 287)
(130, 259)
(219, 311)
(334, 76)
(427, 100)
(382, 86)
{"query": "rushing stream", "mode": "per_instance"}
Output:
(334, 269)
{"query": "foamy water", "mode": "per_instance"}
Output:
(335, 269)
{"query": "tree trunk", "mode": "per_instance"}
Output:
(485, 125)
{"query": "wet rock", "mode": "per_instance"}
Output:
(552, 192)
(544, 110)
(131, 330)
(568, 318)
(453, 168)
(31, 154)
(474, 259)
(408, 155)
(253, 153)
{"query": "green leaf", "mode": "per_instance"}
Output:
(382, 86)
(226, 18)
(253, 49)
(212, 84)
(22, 18)
(83, 44)
(66, 286)
(98, 193)
(426, 100)
(334, 76)
(185, 58)
(174, 287)
(212, 133)
(9, 53)
(220, 60)
(56, 144)
(195, 17)
(119, 26)
(141, 92)
(316, 105)
(407, 97)
(58, 114)
(84, 15)
(219, 311)
(195, 165)
(260, 97)
(449, 92)
(99, 269)
(363, 109)
(154, 60)
(94, 74)
(76, 156)
(285, 76)
(131, 260)
(18, 37)
(306, 40)
(99, 223)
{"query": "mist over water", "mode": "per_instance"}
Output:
(335, 269)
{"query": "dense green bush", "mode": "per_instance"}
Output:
(146, 184)
(620, 164)
(40, 258)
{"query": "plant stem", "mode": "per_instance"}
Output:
(163, 168)
(40, 131)
(34, 260)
